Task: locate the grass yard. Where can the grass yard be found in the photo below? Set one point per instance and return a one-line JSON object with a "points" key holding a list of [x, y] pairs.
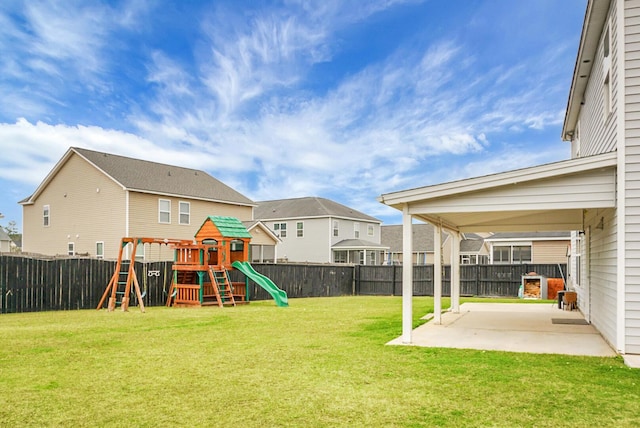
{"points": [[319, 363]]}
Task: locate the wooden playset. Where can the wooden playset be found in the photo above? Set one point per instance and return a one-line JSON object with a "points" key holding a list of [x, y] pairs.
{"points": [[200, 268]]}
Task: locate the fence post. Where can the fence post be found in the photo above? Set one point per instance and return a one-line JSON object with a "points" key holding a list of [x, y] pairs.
{"points": [[356, 280]]}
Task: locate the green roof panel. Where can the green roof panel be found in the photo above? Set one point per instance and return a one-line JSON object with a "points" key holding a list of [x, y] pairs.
{"points": [[230, 227]]}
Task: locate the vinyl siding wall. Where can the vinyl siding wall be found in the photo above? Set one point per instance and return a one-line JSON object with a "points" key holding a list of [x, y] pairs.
{"points": [[545, 252], [144, 220], [312, 247], [91, 211], [601, 283], [632, 176], [597, 131]]}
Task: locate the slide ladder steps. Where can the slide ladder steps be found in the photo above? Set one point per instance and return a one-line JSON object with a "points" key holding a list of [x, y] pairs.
{"points": [[222, 287]]}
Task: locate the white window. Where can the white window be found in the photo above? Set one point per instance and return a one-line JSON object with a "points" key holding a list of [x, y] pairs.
{"points": [[501, 254], [280, 229], [71, 248], [339, 256], [356, 230], [140, 252], [335, 228], [45, 215], [512, 254], [185, 211], [164, 211], [100, 250], [300, 229], [370, 230]]}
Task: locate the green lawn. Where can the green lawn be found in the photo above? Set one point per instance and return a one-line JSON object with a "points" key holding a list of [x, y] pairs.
{"points": [[319, 363]]}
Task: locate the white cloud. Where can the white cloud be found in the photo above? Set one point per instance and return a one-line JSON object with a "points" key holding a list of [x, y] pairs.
{"points": [[35, 148]]}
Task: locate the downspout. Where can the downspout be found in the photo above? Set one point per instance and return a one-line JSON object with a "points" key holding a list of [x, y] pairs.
{"points": [[621, 181], [455, 272], [437, 274], [407, 275]]}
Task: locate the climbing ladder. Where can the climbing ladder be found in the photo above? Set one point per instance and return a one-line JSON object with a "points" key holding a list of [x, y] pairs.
{"points": [[124, 276], [222, 287]]}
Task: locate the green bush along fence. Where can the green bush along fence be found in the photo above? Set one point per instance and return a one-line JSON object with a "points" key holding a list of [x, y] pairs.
{"points": [[29, 284]]}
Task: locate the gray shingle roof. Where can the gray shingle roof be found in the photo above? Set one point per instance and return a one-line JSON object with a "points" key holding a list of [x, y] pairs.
{"points": [[471, 245], [146, 176], [391, 236], [305, 208]]}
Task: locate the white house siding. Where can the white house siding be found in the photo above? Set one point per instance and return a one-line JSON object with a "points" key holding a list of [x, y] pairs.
{"points": [[144, 221], [86, 206], [599, 289], [632, 176], [311, 247], [597, 132]]}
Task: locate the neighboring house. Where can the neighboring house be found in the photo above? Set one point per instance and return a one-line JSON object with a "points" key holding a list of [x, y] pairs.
{"points": [[264, 243], [5, 242], [595, 193], [90, 200], [529, 247], [319, 230], [472, 251]]}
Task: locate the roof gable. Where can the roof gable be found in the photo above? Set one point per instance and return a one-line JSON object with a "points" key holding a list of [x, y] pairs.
{"points": [[221, 226], [307, 207]]}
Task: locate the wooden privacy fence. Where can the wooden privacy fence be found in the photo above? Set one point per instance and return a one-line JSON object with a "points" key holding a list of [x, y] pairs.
{"points": [[29, 284], [475, 280]]}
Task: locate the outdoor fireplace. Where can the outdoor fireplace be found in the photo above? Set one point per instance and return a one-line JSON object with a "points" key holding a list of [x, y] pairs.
{"points": [[534, 286]]}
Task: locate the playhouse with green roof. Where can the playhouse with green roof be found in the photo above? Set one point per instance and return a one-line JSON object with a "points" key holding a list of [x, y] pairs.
{"points": [[200, 269]]}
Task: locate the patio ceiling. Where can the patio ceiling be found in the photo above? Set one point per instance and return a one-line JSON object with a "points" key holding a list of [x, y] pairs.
{"points": [[541, 198]]}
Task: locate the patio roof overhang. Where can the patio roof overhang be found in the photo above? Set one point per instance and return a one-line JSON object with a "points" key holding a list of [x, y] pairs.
{"points": [[547, 197], [541, 198]]}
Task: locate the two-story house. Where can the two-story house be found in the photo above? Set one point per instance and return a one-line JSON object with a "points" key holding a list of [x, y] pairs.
{"points": [[596, 193], [90, 200], [319, 230]]}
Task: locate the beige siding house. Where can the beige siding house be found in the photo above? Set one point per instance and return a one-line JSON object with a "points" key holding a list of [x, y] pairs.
{"points": [[90, 200], [596, 193], [264, 242], [319, 230], [529, 247]]}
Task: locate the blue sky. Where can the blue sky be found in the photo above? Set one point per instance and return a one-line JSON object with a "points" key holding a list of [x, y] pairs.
{"points": [[341, 99]]}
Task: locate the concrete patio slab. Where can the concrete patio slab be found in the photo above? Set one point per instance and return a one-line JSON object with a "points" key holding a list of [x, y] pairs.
{"points": [[514, 327]]}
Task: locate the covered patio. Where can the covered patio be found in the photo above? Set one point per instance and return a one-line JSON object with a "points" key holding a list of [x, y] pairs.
{"points": [[539, 328], [550, 197]]}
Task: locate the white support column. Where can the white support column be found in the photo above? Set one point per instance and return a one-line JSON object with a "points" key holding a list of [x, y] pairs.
{"points": [[407, 275], [455, 273], [437, 274]]}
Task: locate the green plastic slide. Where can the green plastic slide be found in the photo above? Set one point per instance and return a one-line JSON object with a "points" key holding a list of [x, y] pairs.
{"points": [[280, 296]]}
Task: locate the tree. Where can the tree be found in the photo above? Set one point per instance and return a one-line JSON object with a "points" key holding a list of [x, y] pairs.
{"points": [[12, 229]]}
